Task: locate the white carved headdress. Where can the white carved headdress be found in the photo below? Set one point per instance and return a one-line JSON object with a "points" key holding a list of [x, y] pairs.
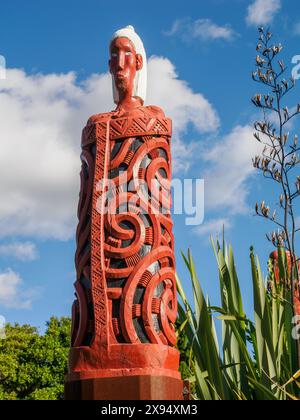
{"points": [[140, 81]]}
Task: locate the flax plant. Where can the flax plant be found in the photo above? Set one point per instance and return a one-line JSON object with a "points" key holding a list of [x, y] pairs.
{"points": [[252, 360]]}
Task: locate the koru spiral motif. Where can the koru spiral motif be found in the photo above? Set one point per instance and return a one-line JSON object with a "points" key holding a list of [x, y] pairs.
{"points": [[126, 287]]}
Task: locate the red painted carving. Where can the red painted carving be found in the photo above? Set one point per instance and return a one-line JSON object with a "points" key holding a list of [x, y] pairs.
{"points": [[274, 259], [126, 303], [126, 287]]}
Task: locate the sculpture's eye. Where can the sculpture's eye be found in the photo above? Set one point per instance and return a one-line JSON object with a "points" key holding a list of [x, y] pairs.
{"points": [[128, 53], [114, 55]]}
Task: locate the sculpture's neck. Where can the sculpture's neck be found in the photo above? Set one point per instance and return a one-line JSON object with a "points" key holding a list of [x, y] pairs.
{"points": [[128, 103]]}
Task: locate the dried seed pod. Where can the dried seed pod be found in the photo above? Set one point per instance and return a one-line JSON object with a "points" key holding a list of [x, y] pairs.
{"points": [[295, 140], [281, 65], [281, 199]]}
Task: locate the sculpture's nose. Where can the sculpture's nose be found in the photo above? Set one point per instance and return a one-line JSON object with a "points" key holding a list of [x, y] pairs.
{"points": [[121, 61]]}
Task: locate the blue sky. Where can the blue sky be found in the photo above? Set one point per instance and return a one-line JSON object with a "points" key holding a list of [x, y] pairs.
{"points": [[201, 55]]}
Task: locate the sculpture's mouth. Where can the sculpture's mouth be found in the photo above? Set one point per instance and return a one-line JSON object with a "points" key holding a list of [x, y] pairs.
{"points": [[120, 76]]}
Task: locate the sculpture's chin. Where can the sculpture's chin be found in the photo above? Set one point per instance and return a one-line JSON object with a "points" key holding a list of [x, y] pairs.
{"points": [[122, 87]]}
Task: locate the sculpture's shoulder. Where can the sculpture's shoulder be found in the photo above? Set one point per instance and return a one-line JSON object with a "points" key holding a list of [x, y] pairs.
{"points": [[150, 111], [154, 111], [99, 118]]}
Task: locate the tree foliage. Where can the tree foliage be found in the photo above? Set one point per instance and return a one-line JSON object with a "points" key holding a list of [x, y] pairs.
{"points": [[33, 366]]}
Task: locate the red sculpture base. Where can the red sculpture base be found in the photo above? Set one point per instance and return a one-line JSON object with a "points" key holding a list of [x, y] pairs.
{"points": [[124, 372], [146, 387]]}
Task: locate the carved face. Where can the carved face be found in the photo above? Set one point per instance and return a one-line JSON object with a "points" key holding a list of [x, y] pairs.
{"points": [[124, 63]]}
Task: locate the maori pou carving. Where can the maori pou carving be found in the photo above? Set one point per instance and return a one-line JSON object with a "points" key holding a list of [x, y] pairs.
{"points": [[274, 260], [126, 305]]}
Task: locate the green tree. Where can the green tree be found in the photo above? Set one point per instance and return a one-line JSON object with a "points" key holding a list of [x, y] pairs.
{"points": [[33, 366]]}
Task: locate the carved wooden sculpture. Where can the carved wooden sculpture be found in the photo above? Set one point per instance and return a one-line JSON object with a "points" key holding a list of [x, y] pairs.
{"points": [[123, 335], [274, 259]]}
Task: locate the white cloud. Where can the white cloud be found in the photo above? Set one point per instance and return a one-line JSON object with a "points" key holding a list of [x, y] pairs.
{"points": [[262, 12], [229, 169], [214, 227], [202, 29], [11, 293], [182, 104], [40, 131], [227, 172], [23, 251]]}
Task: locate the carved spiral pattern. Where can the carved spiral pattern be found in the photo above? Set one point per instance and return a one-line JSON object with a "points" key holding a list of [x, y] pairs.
{"points": [[126, 287]]}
